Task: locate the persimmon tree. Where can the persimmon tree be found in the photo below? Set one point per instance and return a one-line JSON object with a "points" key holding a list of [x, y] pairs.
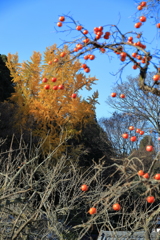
{"points": [[132, 50], [141, 104], [110, 40], [129, 203], [151, 8], [143, 155], [118, 132], [37, 201], [47, 95]]}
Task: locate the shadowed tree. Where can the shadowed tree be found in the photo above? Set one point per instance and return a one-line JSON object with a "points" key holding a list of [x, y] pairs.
{"points": [[141, 153], [6, 84]]}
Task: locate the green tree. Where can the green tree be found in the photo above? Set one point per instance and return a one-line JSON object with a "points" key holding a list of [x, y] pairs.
{"points": [[141, 153]]}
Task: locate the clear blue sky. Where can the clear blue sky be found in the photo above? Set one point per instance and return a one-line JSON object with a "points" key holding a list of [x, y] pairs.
{"points": [[28, 26]]}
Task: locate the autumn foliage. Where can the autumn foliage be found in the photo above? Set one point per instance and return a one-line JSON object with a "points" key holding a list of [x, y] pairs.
{"points": [[117, 194], [47, 95]]}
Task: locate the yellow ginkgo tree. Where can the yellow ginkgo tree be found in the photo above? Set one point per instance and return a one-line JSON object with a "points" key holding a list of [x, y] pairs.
{"points": [[47, 94]]}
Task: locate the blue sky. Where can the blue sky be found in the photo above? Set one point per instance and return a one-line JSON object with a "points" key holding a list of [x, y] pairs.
{"points": [[29, 25]]}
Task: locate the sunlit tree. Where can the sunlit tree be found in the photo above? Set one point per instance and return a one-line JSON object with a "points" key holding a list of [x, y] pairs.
{"points": [[47, 96]]}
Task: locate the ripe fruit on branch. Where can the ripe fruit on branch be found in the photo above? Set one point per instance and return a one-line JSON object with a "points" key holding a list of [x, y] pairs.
{"points": [[84, 65], [50, 63], [156, 77], [63, 54], [122, 59], [55, 60], [141, 132], [123, 54], [131, 128], [86, 57], [134, 66], [143, 60], [139, 57], [139, 44], [158, 25], [150, 199], [100, 28], [79, 46], [149, 148], [75, 49], [134, 54], [139, 35], [157, 176], [92, 57], [53, 79], [107, 35], [146, 175], [79, 28], [102, 50], [62, 18], [84, 187], [133, 138], [92, 210], [125, 135], [55, 87], [95, 30], [142, 18], [47, 86], [122, 96], [99, 33], [85, 32], [86, 40], [140, 172], [138, 25], [143, 46], [87, 70], [74, 95], [116, 207], [44, 80], [130, 39], [61, 86], [113, 94], [143, 4], [97, 37], [138, 130], [59, 24], [139, 7]]}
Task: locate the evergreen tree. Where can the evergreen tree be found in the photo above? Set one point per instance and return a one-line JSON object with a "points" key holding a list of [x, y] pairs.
{"points": [[6, 85]]}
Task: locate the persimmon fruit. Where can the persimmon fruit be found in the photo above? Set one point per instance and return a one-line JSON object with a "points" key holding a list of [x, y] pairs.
{"points": [[140, 172], [150, 199], [92, 210], [84, 187], [116, 207]]}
